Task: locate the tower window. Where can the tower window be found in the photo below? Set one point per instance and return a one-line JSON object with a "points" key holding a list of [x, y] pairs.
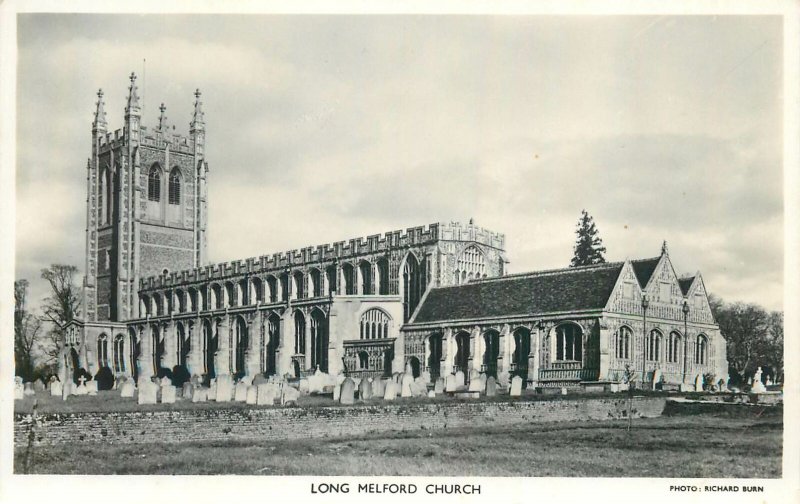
{"points": [[154, 184], [175, 187]]}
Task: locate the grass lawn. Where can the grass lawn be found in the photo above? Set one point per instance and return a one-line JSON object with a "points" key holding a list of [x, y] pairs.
{"points": [[730, 441]]}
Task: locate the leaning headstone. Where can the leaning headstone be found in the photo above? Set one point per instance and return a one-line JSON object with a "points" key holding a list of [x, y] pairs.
{"points": [[405, 386], [459, 380], [224, 388], [199, 394], [127, 389], [516, 386], [38, 385], [28, 389], [290, 396], [378, 388], [252, 395], [438, 387], [168, 394], [348, 390], [491, 387], [148, 392], [390, 392], [55, 388], [240, 392], [365, 390]]}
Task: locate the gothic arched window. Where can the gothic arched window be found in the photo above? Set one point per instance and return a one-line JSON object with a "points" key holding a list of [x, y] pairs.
{"points": [[701, 350], [569, 343], [654, 345], [154, 184], [471, 264], [673, 347], [374, 324], [102, 351], [175, 187], [624, 337]]}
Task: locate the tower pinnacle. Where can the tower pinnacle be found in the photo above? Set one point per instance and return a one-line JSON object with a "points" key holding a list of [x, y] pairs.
{"points": [[664, 249], [132, 107], [197, 123], [162, 119], [100, 123]]}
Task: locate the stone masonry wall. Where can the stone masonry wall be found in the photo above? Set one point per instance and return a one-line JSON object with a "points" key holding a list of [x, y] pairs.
{"points": [[321, 422]]}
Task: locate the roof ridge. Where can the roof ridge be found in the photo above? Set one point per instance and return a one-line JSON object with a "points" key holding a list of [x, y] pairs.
{"points": [[646, 259], [531, 274]]}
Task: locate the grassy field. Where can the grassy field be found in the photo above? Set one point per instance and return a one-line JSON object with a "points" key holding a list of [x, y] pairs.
{"points": [[690, 440]]}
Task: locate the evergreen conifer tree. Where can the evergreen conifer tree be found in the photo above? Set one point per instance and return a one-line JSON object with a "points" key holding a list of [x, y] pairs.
{"points": [[589, 247]]}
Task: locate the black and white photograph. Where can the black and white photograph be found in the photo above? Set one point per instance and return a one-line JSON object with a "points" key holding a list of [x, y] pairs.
{"points": [[436, 254]]}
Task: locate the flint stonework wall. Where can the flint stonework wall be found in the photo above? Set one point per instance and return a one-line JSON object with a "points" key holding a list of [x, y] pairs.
{"points": [[176, 426]]}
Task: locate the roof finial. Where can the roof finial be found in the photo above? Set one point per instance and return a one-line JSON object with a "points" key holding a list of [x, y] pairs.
{"points": [[664, 249], [197, 123], [471, 221], [133, 97], [162, 119], [100, 123]]}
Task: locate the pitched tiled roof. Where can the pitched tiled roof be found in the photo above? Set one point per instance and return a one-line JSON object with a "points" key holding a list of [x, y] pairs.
{"points": [[685, 284], [644, 269], [569, 289]]}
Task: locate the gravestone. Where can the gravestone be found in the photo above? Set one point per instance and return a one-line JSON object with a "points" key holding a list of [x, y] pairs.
{"points": [[199, 394], [66, 390], [397, 377], [81, 389], [378, 387], [240, 392], [148, 392], [405, 386], [252, 395], [128, 388], [502, 379], [476, 385], [516, 386], [211, 394], [390, 392], [758, 386], [304, 386], [224, 388], [459, 380], [168, 393], [55, 388], [265, 394], [92, 386], [187, 391], [365, 390], [259, 379], [438, 387], [698, 382], [450, 384], [38, 385], [290, 396], [19, 388], [28, 389], [348, 390], [337, 392], [491, 387], [431, 394]]}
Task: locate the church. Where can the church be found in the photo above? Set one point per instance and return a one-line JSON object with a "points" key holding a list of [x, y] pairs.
{"points": [[437, 298]]}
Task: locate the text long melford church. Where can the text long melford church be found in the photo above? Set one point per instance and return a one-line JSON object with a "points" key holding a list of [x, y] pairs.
{"points": [[434, 298]]}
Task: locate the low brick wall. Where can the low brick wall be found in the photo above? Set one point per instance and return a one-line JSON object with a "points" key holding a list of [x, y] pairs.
{"points": [[330, 422]]}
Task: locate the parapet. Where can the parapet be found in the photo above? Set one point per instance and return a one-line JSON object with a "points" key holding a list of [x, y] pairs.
{"points": [[376, 243]]}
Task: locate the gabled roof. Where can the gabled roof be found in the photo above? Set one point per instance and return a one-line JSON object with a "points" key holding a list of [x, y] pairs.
{"points": [[644, 269], [686, 284], [569, 289]]}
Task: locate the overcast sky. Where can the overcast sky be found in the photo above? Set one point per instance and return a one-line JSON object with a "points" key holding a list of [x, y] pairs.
{"points": [[326, 128]]}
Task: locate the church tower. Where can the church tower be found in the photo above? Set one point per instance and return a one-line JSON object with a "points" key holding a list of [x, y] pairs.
{"points": [[146, 206]]}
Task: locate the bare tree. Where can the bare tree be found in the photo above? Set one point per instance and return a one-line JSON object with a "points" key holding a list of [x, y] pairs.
{"points": [[62, 305], [27, 333]]}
